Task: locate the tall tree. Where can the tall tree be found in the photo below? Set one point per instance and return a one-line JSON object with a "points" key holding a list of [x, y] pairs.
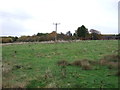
{"points": [[82, 32], [41, 34], [95, 34]]}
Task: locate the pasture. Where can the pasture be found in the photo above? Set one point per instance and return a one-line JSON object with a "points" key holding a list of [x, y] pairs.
{"points": [[42, 65]]}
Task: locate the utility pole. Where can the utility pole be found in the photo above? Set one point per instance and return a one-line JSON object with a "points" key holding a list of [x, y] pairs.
{"points": [[56, 30]]}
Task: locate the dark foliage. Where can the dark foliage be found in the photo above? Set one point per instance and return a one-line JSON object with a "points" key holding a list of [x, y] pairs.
{"points": [[82, 32]]}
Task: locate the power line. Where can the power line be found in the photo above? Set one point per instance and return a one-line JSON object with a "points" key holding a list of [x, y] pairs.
{"points": [[56, 30]]}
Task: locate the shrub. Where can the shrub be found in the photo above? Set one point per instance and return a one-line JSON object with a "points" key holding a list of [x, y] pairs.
{"points": [[7, 40]]}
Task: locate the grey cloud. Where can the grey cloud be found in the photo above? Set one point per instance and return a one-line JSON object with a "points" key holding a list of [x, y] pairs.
{"points": [[12, 28], [15, 15], [11, 23]]}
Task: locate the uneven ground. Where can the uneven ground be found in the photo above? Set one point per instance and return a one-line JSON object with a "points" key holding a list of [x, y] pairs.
{"points": [[35, 65]]}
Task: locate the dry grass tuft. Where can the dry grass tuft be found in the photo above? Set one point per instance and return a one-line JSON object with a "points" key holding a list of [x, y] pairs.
{"points": [[85, 65], [112, 65], [113, 58], [118, 73], [77, 63], [93, 62], [6, 68], [82, 63], [63, 63], [111, 61]]}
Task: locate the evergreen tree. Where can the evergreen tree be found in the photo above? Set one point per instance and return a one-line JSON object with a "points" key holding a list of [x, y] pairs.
{"points": [[82, 32]]}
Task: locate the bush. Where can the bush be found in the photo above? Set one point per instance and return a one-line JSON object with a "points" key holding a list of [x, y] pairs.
{"points": [[7, 40]]}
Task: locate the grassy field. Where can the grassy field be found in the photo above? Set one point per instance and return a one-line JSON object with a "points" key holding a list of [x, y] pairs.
{"points": [[38, 65]]}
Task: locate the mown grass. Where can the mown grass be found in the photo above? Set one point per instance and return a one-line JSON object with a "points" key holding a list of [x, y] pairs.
{"points": [[35, 65]]}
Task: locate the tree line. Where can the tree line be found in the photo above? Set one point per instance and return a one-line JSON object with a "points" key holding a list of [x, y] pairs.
{"points": [[81, 33]]}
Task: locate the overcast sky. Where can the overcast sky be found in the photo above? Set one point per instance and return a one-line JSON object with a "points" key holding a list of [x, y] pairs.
{"points": [[28, 17]]}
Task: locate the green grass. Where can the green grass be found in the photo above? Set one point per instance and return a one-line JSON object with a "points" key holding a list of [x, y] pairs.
{"points": [[35, 65]]}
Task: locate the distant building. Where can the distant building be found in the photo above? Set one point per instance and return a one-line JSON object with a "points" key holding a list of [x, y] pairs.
{"points": [[68, 33], [109, 36], [95, 31]]}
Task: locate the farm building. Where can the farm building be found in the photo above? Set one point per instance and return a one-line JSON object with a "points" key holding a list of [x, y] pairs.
{"points": [[110, 36]]}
